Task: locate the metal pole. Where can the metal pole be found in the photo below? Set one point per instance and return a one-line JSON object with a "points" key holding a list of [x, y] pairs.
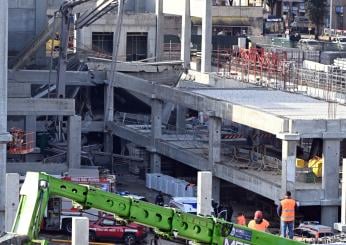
{"points": [[3, 105], [116, 38], [330, 19]]}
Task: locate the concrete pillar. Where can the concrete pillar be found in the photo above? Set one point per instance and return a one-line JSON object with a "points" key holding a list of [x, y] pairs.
{"points": [[74, 142], [288, 178], [3, 104], [12, 199], [155, 162], [186, 35], [214, 125], [80, 231], [181, 119], [330, 181], [156, 133], [41, 22], [342, 225], [207, 46], [204, 190], [30, 126], [159, 29], [216, 189], [343, 193], [109, 117]]}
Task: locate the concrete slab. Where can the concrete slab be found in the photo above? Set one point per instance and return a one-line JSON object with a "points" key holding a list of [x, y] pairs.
{"points": [[288, 105], [195, 154]]}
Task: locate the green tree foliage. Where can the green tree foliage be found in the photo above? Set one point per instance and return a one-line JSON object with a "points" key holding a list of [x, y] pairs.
{"points": [[271, 4], [316, 10]]}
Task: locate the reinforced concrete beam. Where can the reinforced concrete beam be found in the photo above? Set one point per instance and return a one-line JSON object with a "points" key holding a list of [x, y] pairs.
{"points": [[73, 78], [49, 168], [237, 113], [37, 107]]}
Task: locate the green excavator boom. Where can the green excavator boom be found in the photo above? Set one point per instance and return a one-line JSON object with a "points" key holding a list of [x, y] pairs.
{"points": [[39, 187]]}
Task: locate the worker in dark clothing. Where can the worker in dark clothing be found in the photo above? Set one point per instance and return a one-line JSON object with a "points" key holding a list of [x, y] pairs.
{"points": [[159, 199], [229, 212]]}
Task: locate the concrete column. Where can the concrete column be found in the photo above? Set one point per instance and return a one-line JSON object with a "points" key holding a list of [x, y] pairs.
{"points": [[288, 178], [216, 189], [74, 142], [342, 225], [214, 125], [40, 23], [80, 231], [159, 29], [3, 105], [181, 119], [204, 190], [30, 126], [330, 181], [109, 116], [12, 199], [207, 46], [186, 35], [343, 193], [156, 133]]}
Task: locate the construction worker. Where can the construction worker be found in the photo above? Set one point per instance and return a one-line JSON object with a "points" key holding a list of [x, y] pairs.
{"points": [[241, 220], [159, 199], [258, 223], [286, 211]]}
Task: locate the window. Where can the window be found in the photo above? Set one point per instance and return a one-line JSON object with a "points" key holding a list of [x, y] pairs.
{"points": [[136, 46], [108, 222], [102, 42]]}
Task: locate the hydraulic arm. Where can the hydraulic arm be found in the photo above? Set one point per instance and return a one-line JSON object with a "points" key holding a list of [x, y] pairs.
{"points": [[39, 187]]}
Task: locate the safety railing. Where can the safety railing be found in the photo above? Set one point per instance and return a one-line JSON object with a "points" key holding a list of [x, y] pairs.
{"points": [[22, 143]]}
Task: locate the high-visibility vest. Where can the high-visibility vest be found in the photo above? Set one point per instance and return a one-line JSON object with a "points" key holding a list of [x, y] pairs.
{"points": [[241, 220], [288, 209], [259, 227]]}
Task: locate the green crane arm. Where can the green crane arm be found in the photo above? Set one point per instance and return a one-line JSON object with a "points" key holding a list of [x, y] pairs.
{"points": [[39, 187]]}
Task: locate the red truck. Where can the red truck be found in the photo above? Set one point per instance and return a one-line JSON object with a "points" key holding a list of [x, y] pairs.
{"points": [[108, 229]]}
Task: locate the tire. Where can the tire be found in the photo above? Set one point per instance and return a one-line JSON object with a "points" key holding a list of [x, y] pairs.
{"points": [[67, 226], [130, 239], [92, 236]]}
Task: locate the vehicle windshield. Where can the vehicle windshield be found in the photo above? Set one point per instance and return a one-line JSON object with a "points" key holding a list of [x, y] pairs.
{"points": [[312, 43], [342, 40]]}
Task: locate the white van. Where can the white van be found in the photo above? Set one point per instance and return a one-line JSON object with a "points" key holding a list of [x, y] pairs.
{"points": [[185, 204]]}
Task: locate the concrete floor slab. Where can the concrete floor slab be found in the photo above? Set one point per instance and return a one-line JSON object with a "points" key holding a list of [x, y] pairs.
{"points": [[288, 105]]}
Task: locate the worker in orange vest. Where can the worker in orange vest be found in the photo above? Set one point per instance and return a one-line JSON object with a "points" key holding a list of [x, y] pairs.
{"points": [[241, 220], [286, 211], [258, 223]]}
